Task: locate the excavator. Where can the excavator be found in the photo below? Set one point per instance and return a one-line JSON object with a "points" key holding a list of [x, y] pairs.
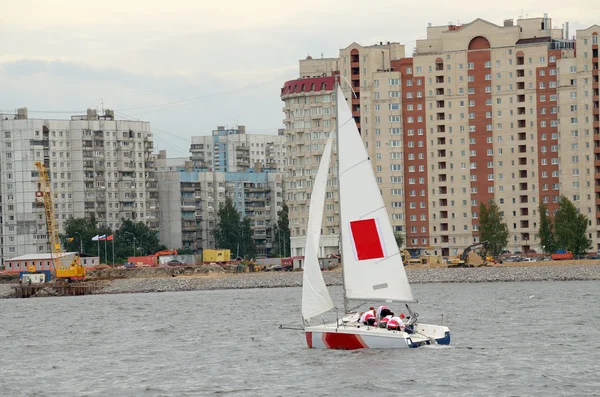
{"points": [[425, 259], [165, 252], [75, 271], [470, 258]]}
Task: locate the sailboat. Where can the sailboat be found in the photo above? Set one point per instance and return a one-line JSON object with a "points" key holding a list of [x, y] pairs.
{"points": [[372, 265]]}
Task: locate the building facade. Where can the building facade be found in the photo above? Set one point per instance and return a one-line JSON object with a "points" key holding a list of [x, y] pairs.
{"points": [[480, 111], [99, 167], [190, 200], [309, 120], [232, 150]]}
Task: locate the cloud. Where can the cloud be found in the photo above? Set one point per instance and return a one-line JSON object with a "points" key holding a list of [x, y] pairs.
{"points": [[186, 105]]}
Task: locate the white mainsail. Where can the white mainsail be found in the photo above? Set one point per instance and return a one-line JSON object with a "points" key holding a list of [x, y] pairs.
{"points": [[315, 296], [372, 265]]}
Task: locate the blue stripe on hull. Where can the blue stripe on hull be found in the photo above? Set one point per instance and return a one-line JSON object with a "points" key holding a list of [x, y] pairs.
{"points": [[445, 340]]}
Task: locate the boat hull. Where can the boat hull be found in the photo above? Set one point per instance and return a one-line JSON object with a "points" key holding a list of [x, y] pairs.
{"points": [[357, 337]]}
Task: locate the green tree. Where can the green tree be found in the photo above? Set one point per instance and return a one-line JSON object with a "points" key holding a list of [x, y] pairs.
{"points": [[399, 239], [570, 228], [492, 227], [246, 242], [81, 231], [135, 238], [281, 233], [227, 230], [546, 230]]}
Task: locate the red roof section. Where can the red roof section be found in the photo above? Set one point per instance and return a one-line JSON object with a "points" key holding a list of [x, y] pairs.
{"points": [[308, 84]]}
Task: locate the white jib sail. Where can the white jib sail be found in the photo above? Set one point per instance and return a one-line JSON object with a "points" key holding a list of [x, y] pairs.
{"points": [[372, 265], [315, 296]]}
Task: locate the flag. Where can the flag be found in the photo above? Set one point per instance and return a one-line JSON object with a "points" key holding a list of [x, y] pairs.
{"points": [[109, 238], [366, 239], [70, 239], [95, 238], [102, 238]]}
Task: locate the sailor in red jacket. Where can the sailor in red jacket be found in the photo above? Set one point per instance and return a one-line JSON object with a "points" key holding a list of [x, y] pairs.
{"points": [[368, 317], [395, 324], [383, 322], [383, 311]]}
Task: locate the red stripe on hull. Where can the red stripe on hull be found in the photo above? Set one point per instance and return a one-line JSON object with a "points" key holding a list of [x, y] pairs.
{"points": [[309, 339], [337, 340]]}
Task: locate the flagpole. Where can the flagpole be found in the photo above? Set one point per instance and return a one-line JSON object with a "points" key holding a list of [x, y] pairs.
{"points": [[105, 255], [98, 240], [113, 247]]}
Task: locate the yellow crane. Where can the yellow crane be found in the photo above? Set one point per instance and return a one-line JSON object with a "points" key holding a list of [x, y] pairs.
{"points": [[75, 271]]}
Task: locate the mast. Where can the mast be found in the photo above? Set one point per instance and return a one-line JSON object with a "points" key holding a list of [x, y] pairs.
{"points": [[337, 159]]}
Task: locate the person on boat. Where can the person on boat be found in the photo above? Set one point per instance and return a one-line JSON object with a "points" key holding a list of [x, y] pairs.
{"points": [[368, 317], [408, 327], [383, 322], [395, 324], [382, 311]]}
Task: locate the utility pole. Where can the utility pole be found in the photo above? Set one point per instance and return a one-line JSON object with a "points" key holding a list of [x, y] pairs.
{"points": [[80, 243]]}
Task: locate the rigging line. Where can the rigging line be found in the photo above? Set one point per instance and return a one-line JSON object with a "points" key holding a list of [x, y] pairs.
{"points": [[167, 105], [355, 165], [370, 212], [388, 257]]}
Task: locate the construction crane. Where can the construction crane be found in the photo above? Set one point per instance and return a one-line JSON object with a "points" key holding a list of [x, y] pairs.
{"points": [[75, 271]]}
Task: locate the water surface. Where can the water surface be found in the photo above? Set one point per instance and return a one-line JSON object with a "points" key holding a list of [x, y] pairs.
{"points": [[508, 339]]}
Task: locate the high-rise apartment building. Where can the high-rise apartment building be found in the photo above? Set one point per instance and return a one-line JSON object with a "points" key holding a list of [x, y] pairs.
{"points": [[309, 119], [99, 167], [479, 112], [232, 150], [190, 200]]}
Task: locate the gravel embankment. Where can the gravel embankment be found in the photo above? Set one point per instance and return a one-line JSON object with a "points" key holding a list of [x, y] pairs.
{"points": [[294, 279], [218, 281], [6, 291]]}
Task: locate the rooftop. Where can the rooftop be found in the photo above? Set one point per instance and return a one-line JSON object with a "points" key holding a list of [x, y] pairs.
{"points": [[36, 257]]}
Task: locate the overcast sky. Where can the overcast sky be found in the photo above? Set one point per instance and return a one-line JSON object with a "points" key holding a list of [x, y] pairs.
{"points": [[190, 65]]}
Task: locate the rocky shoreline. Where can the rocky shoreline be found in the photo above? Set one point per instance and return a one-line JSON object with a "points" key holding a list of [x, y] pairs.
{"points": [[221, 281]]}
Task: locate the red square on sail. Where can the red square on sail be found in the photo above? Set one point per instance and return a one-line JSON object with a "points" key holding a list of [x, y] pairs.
{"points": [[366, 239]]}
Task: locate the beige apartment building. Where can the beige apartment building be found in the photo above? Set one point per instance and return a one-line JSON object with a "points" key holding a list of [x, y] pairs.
{"points": [[480, 111], [99, 167]]}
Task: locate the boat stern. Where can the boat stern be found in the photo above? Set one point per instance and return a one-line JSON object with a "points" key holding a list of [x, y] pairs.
{"points": [[440, 333]]}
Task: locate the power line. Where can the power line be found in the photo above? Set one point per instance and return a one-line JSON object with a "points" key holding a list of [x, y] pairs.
{"points": [[171, 105]]}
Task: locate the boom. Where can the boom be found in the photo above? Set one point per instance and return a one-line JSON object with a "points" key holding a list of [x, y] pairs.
{"points": [[75, 271], [50, 219]]}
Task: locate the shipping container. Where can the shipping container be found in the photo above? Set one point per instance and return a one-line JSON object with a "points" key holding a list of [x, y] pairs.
{"points": [[44, 275], [216, 256]]}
